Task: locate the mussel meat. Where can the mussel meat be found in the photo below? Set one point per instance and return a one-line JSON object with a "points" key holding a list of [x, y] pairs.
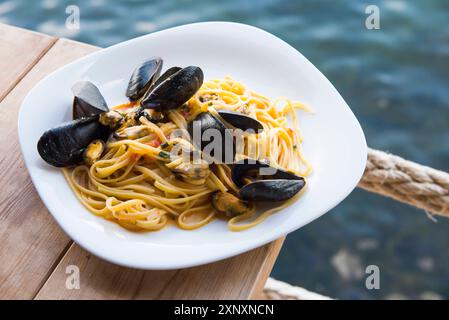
{"points": [[153, 115], [143, 78], [134, 132], [266, 183], [229, 204], [87, 100], [175, 90], [94, 151], [112, 119], [65, 144], [194, 172]]}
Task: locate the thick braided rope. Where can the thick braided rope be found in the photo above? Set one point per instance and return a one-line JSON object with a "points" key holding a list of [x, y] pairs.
{"points": [[278, 290], [406, 181]]}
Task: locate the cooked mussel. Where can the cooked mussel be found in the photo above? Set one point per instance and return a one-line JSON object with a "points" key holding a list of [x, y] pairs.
{"points": [[143, 78], [211, 136], [259, 181], [112, 119], [206, 127], [94, 151], [72, 142], [65, 144], [134, 132], [175, 90], [87, 100], [153, 115], [240, 120], [169, 72], [229, 204], [194, 172]]}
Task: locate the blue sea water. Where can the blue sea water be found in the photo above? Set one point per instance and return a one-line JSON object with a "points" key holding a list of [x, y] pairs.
{"points": [[396, 81]]}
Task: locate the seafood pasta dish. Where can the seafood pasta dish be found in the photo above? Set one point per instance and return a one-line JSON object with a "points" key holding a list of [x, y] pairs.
{"points": [[181, 151]]}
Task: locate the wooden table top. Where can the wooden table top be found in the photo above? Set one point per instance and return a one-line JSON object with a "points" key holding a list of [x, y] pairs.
{"points": [[35, 252]]}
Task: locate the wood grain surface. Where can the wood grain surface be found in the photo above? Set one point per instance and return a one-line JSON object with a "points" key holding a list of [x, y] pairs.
{"points": [[20, 50], [31, 241], [240, 277]]}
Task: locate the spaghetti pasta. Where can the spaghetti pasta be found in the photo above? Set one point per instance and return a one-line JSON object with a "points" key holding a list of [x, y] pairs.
{"points": [[138, 184]]}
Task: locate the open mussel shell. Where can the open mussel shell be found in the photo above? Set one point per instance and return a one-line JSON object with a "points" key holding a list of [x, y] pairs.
{"points": [[64, 145], [257, 169], [269, 183], [87, 100], [143, 78], [175, 90], [271, 190], [211, 136], [169, 72], [240, 120]]}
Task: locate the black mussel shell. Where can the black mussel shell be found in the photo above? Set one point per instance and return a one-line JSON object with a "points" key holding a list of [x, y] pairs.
{"points": [[271, 184], [143, 78], [251, 168], [175, 90], [64, 145], [88, 100], [169, 72], [240, 120], [271, 190], [203, 130]]}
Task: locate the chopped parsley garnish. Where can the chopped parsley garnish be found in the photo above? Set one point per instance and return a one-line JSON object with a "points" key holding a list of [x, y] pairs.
{"points": [[164, 154]]}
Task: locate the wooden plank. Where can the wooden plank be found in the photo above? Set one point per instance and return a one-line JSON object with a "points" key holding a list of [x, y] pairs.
{"points": [[20, 50], [240, 277], [31, 242]]}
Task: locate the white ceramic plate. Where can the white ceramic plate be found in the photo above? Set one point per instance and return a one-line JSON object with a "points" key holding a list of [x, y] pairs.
{"points": [[334, 142]]}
